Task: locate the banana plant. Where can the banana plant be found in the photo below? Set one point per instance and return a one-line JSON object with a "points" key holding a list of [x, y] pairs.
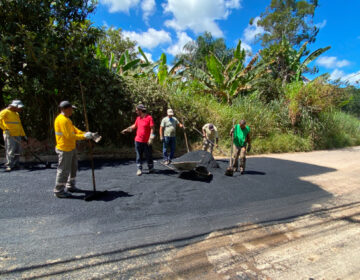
{"points": [[164, 75], [228, 81], [287, 63], [123, 66]]}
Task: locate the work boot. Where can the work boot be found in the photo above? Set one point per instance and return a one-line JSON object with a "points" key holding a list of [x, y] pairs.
{"points": [[151, 170], [73, 189], [242, 171], [8, 169], [62, 195], [166, 162], [138, 172]]}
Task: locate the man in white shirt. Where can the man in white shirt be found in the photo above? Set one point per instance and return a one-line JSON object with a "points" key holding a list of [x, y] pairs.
{"points": [[168, 135]]}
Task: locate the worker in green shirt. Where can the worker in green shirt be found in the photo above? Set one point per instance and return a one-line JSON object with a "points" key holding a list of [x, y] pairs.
{"points": [[241, 133]]}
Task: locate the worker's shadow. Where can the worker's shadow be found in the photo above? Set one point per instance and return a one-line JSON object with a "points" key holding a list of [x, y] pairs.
{"points": [[99, 195], [252, 172]]}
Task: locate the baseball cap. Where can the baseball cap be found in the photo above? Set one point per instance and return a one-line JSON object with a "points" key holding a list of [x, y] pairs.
{"points": [[66, 104], [141, 107], [170, 112], [17, 103]]}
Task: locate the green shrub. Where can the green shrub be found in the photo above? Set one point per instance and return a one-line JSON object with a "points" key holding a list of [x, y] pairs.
{"points": [[281, 143], [338, 129]]}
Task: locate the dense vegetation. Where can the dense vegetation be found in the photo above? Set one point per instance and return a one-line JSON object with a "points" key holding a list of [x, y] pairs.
{"points": [[49, 51]]}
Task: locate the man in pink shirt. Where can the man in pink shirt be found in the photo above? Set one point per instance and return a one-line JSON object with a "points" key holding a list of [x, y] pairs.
{"points": [[144, 125]]}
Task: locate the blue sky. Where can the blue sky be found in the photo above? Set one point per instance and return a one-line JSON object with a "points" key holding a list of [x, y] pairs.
{"points": [[166, 25]]}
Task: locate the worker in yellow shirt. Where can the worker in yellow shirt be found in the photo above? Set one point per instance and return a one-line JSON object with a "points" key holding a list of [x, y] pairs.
{"points": [[13, 131], [66, 135]]}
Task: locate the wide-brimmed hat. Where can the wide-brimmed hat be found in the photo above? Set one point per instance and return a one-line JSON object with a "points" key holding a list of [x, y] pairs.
{"points": [[17, 104], [170, 112], [66, 104]]}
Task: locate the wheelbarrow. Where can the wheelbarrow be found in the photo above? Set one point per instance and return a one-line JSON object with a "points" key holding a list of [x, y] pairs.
{"points": [[189, 166]]}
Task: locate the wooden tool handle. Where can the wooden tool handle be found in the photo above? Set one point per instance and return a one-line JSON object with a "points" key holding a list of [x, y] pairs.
{"points": [[186, 140], [89, 142]]}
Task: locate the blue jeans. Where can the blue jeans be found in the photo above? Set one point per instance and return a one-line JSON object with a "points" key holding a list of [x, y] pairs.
{"points": [[141, 148], [169, 141]]}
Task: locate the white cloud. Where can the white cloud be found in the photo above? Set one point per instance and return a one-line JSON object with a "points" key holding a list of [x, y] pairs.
{"points": [[252, 30], [246, 47], [321, 24], [233, 4], [149, 39], [332, 62], [352, 78], [337, 74], [120, 5], [200, 15], [148, 7], [177, 48]]}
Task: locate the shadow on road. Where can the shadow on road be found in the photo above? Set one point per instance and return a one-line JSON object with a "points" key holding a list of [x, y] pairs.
{"points": [[101, 195]]}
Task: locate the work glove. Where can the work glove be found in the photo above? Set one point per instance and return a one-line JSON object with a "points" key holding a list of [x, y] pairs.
{"points": [[26, 139], [161, 138], [88, 135], [248, 148], [7, 132], [92, 136]]}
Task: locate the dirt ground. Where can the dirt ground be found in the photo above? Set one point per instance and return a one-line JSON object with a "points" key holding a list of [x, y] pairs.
{"points": [[292, 216], [323, 244]]}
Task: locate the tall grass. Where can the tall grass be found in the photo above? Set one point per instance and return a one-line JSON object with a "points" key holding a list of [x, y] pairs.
{"points": [[270, 124], [338, 129]]}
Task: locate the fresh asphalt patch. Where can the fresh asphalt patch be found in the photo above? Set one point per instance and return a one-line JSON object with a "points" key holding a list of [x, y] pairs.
{"points": [[37, 228]]}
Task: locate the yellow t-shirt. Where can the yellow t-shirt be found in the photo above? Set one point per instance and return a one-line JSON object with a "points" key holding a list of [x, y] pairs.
{"points": [[10, 120], [66, 134]]}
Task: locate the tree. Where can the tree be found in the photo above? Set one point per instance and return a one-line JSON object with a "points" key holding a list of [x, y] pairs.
{"points": [[46, 49], [195, 52], [291, 19], [112, 42]]}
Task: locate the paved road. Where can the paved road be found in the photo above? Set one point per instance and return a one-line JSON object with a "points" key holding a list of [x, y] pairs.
{"points": [[142, 219]]}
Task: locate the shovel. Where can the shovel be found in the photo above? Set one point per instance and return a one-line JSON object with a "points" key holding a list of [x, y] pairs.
{"points": [[95, 194], [211, 142], [185, 136], [47, 164], [230, 171]]}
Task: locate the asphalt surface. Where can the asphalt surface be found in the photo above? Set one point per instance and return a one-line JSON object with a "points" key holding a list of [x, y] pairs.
{"points": [[38, 229]]}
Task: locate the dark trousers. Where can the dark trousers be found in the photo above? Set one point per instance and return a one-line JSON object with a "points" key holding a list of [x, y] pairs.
{"points": [[169, 142], [140, 149]]}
